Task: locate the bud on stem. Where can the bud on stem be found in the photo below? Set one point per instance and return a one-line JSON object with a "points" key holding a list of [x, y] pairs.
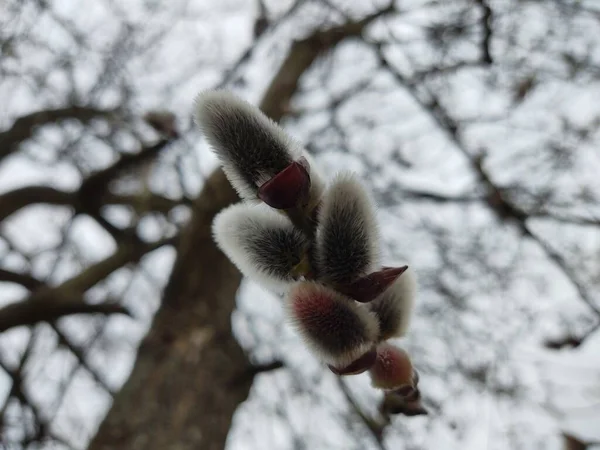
{"points": [[338, 330], [393, 368], [347, 234], [263, 244]]}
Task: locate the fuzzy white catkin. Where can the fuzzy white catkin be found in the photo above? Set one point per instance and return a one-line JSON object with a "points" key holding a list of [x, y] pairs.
{"points": [[348, 239], [336, 329], [394, 308], [251, 147], [261, 242]]}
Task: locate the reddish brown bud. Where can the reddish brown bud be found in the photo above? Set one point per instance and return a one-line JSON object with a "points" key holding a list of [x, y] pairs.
{"points": [[406, 399], [393, 368], [362, 364], [288, 189], [394, 404], [371, 286], [338, 330]]}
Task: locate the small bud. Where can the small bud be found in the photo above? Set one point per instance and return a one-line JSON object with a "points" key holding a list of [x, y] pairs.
{"points": [[394, 307], [262, 243], [394, 403], [347, 234], [393, 368], [362, 364], [369, 287], [338, 330], [251, 147], [288, 189]]}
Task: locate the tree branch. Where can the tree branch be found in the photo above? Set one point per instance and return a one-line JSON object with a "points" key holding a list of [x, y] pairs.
{"points": [[416, 194], [30, 312], [25, 280], [49, 304], [486, 23], [496, 198], [375, 427], [24, 127], [12, 201]]}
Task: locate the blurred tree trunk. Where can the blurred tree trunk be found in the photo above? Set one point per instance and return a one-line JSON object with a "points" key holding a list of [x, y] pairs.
{"points": [[191, 374], [181, 392]]}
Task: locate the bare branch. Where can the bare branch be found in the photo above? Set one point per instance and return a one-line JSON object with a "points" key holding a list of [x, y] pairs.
{"points": [[49, 304], [24, 127], [486, 22], [496, 199], [12, 201], [25, 280], [375, 427], [30, 312], [416, 194]]}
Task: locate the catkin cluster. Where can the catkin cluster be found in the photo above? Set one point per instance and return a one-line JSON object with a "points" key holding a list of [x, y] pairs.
{"points": [[317, 243]]}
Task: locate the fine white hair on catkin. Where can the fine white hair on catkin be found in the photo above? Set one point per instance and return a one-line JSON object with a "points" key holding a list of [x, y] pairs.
{"points": [[336, 329], [347, 242], [317, 183], [394, 307], [251, 147], [261, 242]]}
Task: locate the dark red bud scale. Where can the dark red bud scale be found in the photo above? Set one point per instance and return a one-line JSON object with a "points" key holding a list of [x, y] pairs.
{"points": [[362, 364], [371, 286], [288, 189]]}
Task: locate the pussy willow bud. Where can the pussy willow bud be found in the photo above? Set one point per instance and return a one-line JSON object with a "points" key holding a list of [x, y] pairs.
{"points": [[262, 243], [347, 234], [396, 403], [336, 329], [393, 368], [394, 307], [251, 147], [371, 286]]}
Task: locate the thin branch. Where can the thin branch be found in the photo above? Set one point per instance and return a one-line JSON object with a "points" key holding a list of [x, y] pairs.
{"points": [[27, 281], [486, 23], [81, 359], [254, 369], [24, 127], [564, 218], [49, 304], [31, 312], [416, 194], [126, 253], [42, 423], [570, 340], [375, 427], [12, 201], [302, 54], [497, 199]]}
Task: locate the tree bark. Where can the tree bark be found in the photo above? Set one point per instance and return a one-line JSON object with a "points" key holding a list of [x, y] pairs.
{"points": [[191, 374]]}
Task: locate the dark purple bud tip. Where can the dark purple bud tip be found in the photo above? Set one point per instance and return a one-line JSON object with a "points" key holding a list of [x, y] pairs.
{"points": [[394, 403], [408, 393], [288, 189], [371, 286], [362, 364]]}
